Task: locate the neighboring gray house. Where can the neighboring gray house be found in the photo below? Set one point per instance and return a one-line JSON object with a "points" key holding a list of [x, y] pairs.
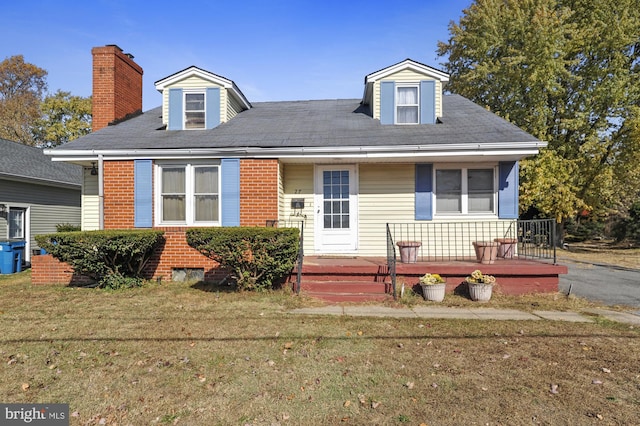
{"points": [[36, 194]]}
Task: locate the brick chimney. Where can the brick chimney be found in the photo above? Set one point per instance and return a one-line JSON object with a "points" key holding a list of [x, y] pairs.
{"points": [[117, 86]]}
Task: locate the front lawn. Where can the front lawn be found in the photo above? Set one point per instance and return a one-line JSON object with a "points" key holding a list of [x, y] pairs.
{"points": [[192, 355]]}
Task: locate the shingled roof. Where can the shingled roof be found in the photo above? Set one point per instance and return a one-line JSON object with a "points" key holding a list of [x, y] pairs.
{"points": [[22, 162], [316, 123]]}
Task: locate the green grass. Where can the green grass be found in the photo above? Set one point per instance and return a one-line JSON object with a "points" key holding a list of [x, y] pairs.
{"points": [[192, 355]]}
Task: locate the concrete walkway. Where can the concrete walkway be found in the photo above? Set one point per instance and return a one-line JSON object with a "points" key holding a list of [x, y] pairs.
{"points": [[467, 313]]}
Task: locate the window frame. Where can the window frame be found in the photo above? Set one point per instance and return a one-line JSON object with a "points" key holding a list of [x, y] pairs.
{"points": [[23, 219], [464, 192], [397, 103], [190, 194], [186, 93]]}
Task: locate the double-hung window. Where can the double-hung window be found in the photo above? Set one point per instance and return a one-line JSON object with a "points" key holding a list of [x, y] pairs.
{"points": [[189, 194], [465, 191], [407, 104], [194, 110]]}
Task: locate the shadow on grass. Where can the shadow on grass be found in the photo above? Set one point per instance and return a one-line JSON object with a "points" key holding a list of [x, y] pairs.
{"points": [[215, 286]]}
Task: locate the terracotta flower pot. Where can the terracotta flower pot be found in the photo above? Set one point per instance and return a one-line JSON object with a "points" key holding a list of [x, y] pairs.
{"points": [[409, 251], [507, 248], [486, 251]]}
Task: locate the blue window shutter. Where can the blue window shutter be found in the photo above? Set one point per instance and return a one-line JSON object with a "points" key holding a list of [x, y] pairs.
{"points": [[428, 102], [424, 191], [143, 190], [175, 109], [213, 107], [387, 102], [230, 192], [508, 190]]}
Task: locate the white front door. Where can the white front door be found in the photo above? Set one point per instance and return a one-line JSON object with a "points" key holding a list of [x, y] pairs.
{"points": [[336, 209]]}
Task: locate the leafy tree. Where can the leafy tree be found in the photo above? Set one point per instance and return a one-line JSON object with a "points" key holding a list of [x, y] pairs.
{"points": [[566, 71], [22, 86], [64, 118]]}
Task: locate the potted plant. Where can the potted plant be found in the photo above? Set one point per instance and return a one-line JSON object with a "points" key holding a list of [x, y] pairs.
{"points": [[433, 287], [480, 285]]}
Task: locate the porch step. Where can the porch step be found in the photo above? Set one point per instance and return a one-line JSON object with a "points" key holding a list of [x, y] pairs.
{"points": [[344, 290]]}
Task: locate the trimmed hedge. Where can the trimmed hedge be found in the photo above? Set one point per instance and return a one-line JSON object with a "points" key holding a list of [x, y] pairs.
{"points": [[258, 258], [115, 258]]}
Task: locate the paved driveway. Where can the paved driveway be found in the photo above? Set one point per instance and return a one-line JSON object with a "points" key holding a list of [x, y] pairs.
{"points": [[601, 283]]}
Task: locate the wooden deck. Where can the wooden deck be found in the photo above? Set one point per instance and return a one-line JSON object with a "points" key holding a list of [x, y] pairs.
{"points": [[342, 279]]}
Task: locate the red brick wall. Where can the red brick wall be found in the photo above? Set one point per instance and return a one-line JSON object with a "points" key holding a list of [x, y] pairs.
{"points": [[176, 253], [118, 195], [47, 270], [117, 85], [258, 192], [258, 203]]}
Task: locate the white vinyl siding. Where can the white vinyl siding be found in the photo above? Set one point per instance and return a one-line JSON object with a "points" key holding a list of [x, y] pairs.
{"points": [[233, 106], [90, 202], [387, 194], [298, 183]]}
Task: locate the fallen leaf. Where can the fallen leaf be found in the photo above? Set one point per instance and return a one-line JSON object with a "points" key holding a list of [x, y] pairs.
{"points": [[596, 382], [347, 403], [25, 386], [359, 333], [362, 399], [288, 345], [606, 370], [434, 385], [375, 404], [409, 385], [75, 414], [554, 389]]}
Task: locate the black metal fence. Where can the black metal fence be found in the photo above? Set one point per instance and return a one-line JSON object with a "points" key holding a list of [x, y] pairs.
{"points": [[451, 241]]}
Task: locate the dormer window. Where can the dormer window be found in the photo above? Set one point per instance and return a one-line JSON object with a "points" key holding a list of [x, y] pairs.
{"points": [[194, 111], [407, 105]]}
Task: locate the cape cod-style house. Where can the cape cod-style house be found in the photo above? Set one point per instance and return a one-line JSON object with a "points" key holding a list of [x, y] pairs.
{"points": [[351, 173]]}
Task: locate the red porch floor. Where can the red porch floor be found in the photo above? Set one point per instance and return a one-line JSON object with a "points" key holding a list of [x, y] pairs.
{"points": [[360, 278]]}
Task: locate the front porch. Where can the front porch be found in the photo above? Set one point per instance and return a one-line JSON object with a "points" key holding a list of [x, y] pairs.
{"points": [[358, 279]]}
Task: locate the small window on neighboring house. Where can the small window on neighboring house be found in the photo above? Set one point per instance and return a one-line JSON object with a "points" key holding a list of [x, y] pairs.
{"points": [[16, 223], [407, 105], [194, 111], [463, 191], [189, 194]]}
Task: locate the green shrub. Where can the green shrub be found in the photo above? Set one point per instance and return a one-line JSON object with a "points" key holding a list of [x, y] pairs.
{"points": [[258, 258], [67, 227], [113, 258], [629, 228]]}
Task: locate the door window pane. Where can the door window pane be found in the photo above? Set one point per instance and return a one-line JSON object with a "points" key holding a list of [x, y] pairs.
{"points": [[336, 199]]}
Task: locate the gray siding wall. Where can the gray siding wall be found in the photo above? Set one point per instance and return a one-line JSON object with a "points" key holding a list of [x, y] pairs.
{"points": [[48, 206]]}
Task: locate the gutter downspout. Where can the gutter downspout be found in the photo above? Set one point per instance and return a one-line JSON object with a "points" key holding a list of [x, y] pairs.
{"points": [[101, 191]]}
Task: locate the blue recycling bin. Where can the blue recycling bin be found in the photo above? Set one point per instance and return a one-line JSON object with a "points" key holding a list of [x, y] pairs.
{"points": [[11, 253]]}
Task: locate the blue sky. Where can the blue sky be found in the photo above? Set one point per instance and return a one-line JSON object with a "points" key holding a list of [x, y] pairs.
{"points": [[273, 50]]}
